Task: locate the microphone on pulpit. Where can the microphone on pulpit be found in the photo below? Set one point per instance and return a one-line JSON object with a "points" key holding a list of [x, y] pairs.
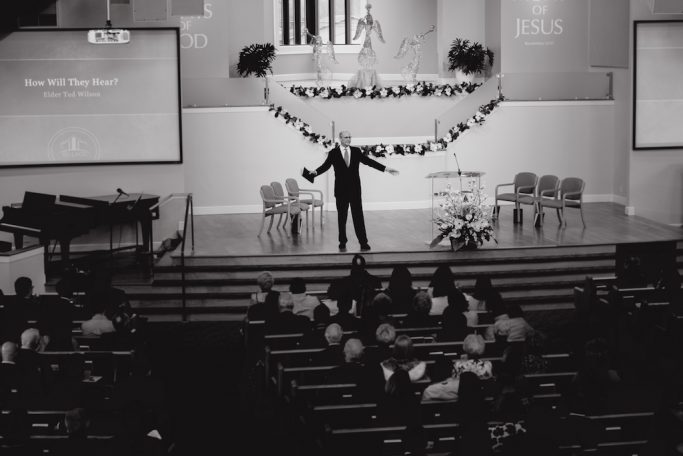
{"points": [[457, 164], [121, 192]]}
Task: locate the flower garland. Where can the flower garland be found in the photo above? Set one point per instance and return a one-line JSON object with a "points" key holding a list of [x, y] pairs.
{"points": [[382, 150], [423, 89]]}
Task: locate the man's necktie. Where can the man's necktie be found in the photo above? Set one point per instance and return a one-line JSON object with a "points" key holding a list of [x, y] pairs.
{"points": [[346, 156]]}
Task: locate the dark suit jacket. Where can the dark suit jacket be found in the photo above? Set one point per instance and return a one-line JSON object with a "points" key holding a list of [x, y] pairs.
{"points": [[287, 322], [347, 179]]}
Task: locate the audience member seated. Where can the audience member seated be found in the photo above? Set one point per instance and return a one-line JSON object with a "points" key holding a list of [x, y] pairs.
{"points": [[351, 370], [56, 319], [456, 317], [482, 290], [473, 417], [76, 423], [441, 285], [512, 328], [344, 318], [447, 389], [401, 290], [403, 357], [374, 314], [286, 322], [593, 380], [418, 316], [263, 304], [385, 335], [14, 319], [35, 374], [10, 377], [399, 406], [333, 354], [632, 274], [359, 284], [98, 324], [303, 303]]}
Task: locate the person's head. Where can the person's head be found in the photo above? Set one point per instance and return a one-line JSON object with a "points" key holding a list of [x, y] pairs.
{"points": [[30, 339], [297, 286], [398, 385], [382, 304], [482, 288], [353, 350], [345, 138], [443, 281], [76, 421], [422, 303], [9, 351], [265, 281], [403, 348], [457, 300], [23, 287], [321, 314], [333, 334], [357, 265], [401, 279], [474, 345], [285, 302], [385, 334]]}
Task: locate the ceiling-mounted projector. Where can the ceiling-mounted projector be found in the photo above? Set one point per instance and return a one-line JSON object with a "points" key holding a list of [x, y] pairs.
{"points": [[109, 36]]}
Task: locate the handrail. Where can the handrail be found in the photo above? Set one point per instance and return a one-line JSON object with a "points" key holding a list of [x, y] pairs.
{"points": [[189, 212]]}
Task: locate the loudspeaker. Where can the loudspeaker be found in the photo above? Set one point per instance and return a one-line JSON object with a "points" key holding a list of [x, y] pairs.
{"points": [[666, 6]]}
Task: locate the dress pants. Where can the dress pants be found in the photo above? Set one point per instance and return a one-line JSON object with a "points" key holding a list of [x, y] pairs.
{"points": [[357, 215]]}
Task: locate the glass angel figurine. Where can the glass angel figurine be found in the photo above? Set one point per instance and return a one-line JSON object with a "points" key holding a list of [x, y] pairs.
{"points": [[321, 60], [413, 44]]}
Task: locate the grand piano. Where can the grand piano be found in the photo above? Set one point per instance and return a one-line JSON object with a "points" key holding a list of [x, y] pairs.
{"points": [[62, 219]]}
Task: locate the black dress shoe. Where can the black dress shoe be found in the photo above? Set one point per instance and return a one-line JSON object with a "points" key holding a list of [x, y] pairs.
{"points": [[365, 247], [342, 247]]}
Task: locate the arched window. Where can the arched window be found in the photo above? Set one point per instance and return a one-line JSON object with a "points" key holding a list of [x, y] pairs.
{"points": [[293, 17]]}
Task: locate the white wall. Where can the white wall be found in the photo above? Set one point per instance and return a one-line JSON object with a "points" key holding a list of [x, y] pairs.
{"points": [[655, 176], [235, 152]]}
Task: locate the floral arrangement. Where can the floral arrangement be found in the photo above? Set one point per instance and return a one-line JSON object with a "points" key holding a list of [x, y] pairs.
{"points": [[423, 89], [383, 150], [465, 218]]}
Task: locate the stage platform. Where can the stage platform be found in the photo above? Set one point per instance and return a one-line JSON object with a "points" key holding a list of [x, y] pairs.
{"points": [[411, 231]]}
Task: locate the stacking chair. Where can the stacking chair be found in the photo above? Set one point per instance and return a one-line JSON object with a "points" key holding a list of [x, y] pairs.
{"points": [[273, 206], [524, 184], [294, 201], [547, 188], [570, 195], [293, 189]]}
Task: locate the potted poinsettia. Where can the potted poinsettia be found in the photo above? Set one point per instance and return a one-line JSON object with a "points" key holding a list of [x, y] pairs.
{"points": [[257, 59], [468, 58]]}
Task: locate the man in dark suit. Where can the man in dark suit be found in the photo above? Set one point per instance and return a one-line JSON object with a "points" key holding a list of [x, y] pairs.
{"points": [[347, 191]]}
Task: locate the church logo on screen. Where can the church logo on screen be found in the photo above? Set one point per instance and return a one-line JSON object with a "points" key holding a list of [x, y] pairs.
{"points": [[73, 143]]}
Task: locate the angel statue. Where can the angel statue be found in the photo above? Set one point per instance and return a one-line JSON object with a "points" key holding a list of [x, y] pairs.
{"points": [[414, 44], [366, 57], [322, 61]]}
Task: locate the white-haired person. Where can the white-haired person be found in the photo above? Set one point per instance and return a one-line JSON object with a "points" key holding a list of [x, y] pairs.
{"points": [[474, 347]]}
